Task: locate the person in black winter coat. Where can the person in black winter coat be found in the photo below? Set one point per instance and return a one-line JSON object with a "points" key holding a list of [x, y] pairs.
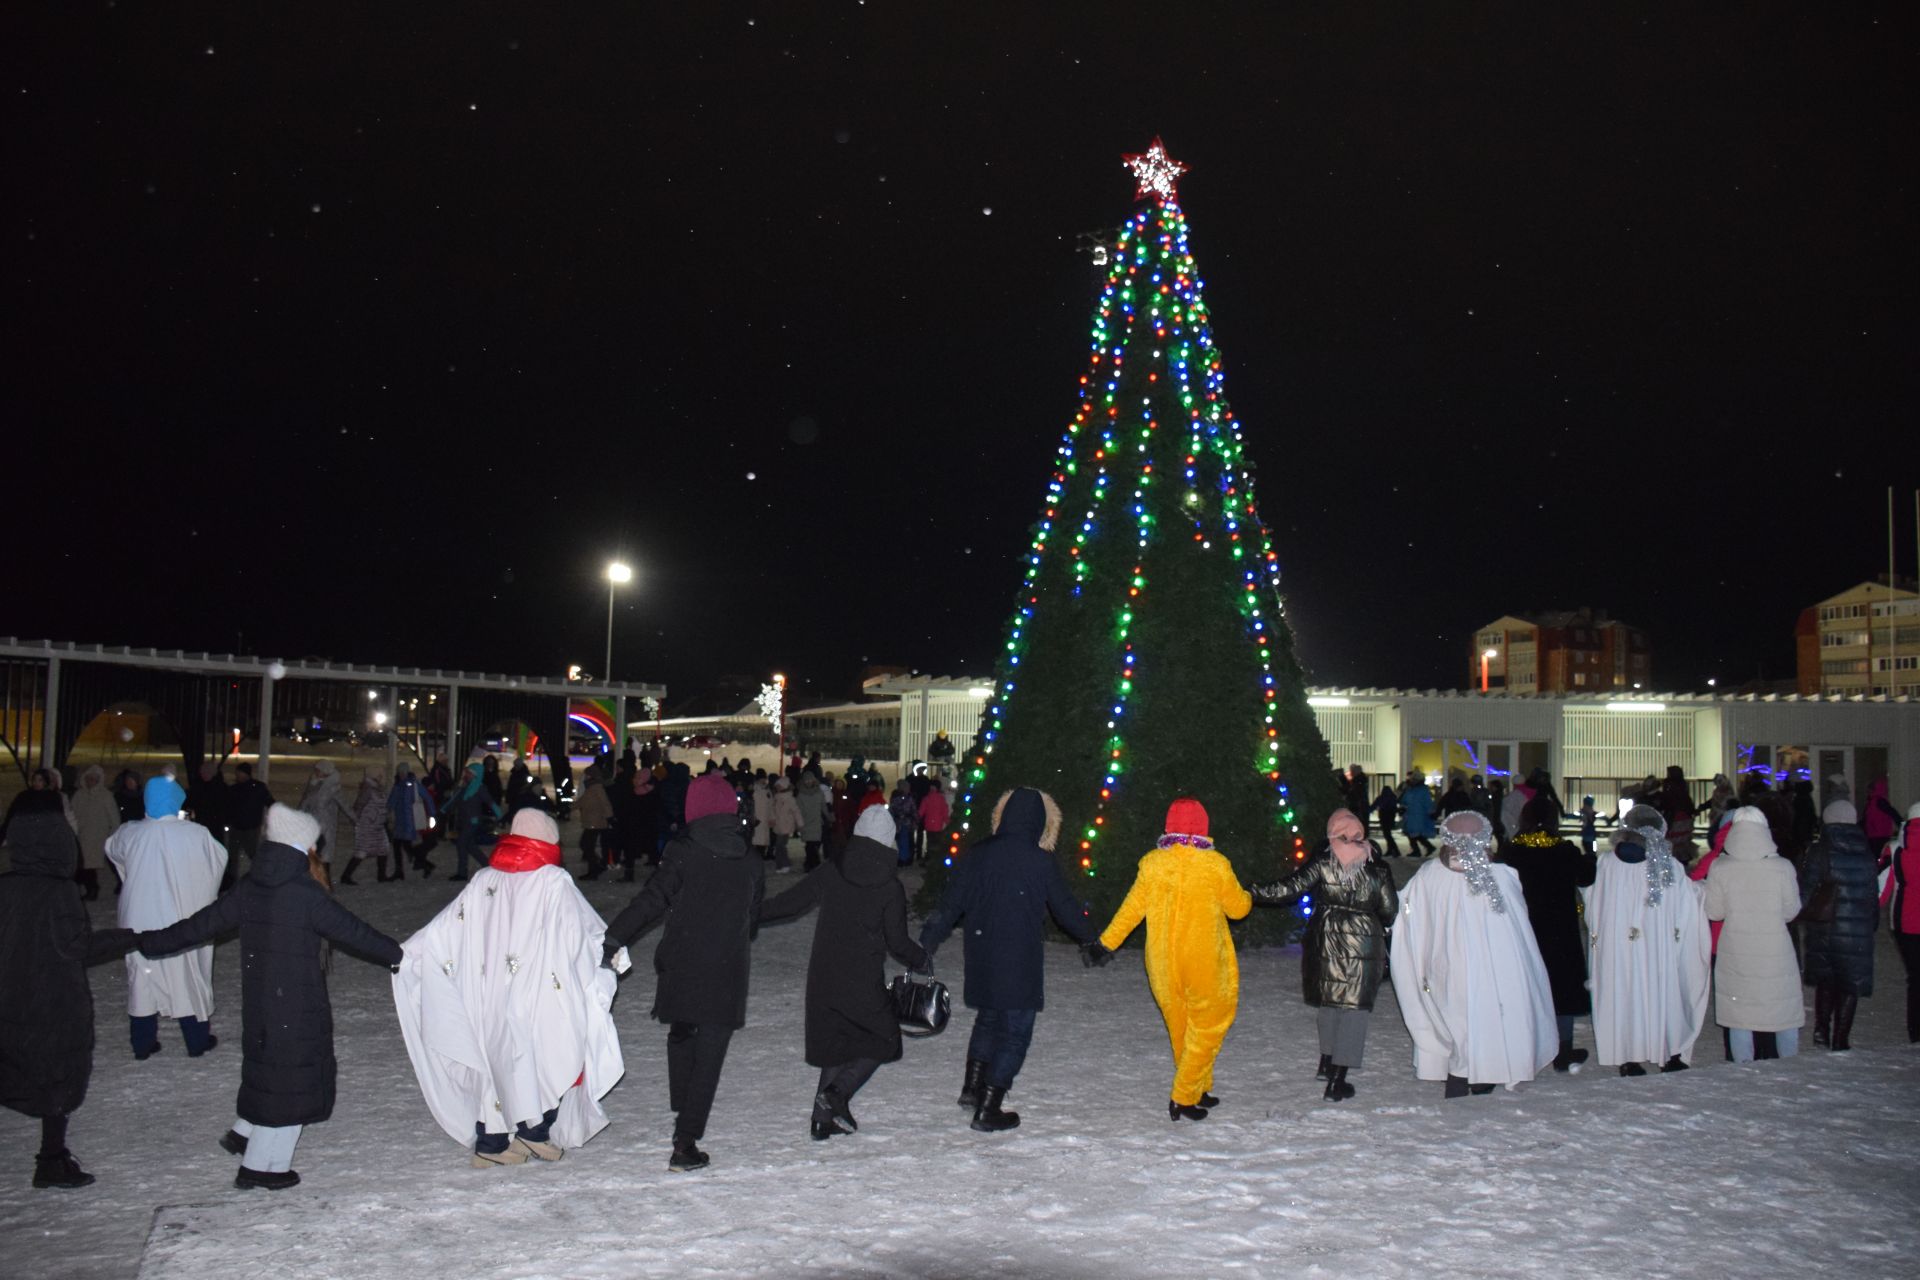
{"points": [[851, 1028], [46, 1006], [636, 822], [1552, 872], [709, 892], [1387, 810], [287, 1065], [1004, 889], [247, 803], [1837, 956]]}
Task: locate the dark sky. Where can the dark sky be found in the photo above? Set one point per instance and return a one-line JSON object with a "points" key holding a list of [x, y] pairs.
{"points": [[359, 331]]}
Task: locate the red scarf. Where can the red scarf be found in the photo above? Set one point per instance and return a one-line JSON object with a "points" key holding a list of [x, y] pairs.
{"points": [[523, 853]]}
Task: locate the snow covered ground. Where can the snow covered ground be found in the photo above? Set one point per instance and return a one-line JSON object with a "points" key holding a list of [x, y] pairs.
{"points": [[1791, 1168]]}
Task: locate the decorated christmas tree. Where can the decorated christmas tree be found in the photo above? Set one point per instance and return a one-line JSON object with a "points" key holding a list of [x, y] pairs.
{"points": [[1148, 655]]}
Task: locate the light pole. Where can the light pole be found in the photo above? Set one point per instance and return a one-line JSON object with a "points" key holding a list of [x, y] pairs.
{"points": [[618, 575], [1486, 656]]}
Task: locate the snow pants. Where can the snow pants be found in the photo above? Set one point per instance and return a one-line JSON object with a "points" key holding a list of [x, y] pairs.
{"points": [[1197, 1024], [144, 1032], [1000, 1039], [1741, 1043], [695, 1055], [269, 1148]]}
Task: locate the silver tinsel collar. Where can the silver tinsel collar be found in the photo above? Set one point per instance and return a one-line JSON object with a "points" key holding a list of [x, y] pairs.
{"points": [[1468, 853], [1660, 869]]}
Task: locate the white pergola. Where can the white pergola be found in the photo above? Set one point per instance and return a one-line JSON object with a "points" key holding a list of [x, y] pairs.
{"points": [[54, 654]]}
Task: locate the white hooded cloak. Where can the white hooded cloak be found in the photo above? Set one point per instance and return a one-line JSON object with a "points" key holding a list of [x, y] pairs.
{"points": [[171, 867], [504, 1005], [1469, 979], [1649, 964]]}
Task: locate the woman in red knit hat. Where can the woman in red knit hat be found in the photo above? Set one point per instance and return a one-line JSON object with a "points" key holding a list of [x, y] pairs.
{"points": [[1186, 891]]}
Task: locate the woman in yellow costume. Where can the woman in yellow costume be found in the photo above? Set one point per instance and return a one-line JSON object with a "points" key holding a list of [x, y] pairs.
{"points": [[1186, 891]]}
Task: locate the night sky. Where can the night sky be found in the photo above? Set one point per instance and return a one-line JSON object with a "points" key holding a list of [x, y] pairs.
{"points": [[366, 333]]}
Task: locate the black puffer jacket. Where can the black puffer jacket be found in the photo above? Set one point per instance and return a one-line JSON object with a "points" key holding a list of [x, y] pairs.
{"points": [[709, 891], [1552, 876], [1004, 888], [863, 920], [286, 1019], [1344, 954], [46, 943], [1841, 952]]}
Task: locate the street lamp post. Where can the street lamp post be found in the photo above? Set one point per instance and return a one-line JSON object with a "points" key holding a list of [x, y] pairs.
{"points": [[1486, 656], [618, 575]]}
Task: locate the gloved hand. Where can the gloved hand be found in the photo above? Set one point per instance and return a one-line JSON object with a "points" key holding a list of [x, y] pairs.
{"points": [[926, 965], [1095, 956]]}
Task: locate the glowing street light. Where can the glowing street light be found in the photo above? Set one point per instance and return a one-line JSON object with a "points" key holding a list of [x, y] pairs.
{"points": [[618, 575], [1486, 656]]}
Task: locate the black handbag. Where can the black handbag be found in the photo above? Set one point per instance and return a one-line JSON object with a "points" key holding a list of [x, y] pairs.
{"points": [[921, 1006], [1819, 906]]}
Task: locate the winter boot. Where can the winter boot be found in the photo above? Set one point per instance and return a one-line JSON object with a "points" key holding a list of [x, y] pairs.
{"points": [[1208, 1101], [1176, 1111], [256, 1179], [1456, 1087], [824, 1129], [1632, 1069], [1844, 1008], [1672, 1065], [1569, 1058], [1822, 1017], [400, 866], [988, 1117], [60, 1170], [346, 877], [832, 1103], [686, 1157], [1480, 1090], [232, 1143], [515, 1152], [1326, 1067], [380, 871], [976, 1083], [1338, 1090]]}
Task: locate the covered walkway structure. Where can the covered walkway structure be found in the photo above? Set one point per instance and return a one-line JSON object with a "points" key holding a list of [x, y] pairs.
{"points": [[52, 691]]}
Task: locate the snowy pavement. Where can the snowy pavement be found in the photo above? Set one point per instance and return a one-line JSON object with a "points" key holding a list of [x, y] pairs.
{"points": [[1791, 1168]]}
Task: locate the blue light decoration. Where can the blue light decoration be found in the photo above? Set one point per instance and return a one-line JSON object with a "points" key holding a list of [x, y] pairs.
{"points": [[1150, 309]]}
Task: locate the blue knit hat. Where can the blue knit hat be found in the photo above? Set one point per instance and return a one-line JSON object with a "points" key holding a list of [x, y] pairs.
{"points": [[163, 797]]}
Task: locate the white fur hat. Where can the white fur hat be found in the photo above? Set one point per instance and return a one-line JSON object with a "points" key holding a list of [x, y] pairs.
{"points": [[535, 825], [289, 826], [876, 824]]}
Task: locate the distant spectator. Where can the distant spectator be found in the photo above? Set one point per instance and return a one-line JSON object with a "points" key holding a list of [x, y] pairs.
{"points": [[96, 816], [934, 814], [247, 804], [1881, 819]]}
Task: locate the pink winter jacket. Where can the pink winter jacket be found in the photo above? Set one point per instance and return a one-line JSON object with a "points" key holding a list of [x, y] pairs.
{"points": [[1879, 820], [1705, 865], [1902, 893]]}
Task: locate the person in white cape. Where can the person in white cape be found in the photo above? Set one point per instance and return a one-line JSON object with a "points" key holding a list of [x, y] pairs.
{"points": [[1651, 950], [169, 868], [506, 1009], [1467, 971]]}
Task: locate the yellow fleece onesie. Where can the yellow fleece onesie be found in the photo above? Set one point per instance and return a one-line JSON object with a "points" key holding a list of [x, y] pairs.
{"points": [[1186, 894]]}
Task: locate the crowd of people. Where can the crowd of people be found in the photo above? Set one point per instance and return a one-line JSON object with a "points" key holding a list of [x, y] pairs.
{"points": [[1495, 946]]}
